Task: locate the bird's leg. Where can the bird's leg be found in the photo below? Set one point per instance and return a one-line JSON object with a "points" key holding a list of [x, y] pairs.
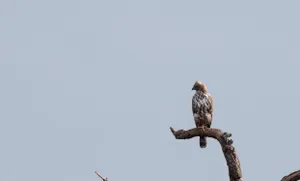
{"points": [[202, 127], [197, 124]]}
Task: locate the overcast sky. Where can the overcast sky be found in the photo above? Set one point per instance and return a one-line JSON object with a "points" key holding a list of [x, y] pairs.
{"points": [[94, 85]]}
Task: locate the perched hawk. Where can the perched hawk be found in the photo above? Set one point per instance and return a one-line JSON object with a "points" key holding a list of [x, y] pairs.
{"points": [[202, 108]]}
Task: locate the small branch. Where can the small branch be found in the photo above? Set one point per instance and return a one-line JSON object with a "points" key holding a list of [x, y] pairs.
{"points": [[103, 178], [233, 163], [292, 177]]}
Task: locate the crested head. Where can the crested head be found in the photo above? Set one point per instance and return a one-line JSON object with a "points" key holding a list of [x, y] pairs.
{"points": [[199, 86]]}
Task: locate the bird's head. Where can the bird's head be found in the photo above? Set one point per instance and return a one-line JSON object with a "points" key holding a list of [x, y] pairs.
{"points": [[199, 86]]}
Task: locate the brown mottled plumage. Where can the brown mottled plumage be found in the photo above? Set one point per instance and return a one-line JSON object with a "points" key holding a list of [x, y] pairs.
{"points": [[202, 108]]}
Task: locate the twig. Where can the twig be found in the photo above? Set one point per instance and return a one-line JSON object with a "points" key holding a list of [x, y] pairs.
{"points": [[103, 178]]}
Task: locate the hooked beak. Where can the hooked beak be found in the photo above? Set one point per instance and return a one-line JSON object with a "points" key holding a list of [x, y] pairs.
{"points": [[193, 88]]}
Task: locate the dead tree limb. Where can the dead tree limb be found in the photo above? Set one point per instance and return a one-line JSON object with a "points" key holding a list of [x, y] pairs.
{"points": [[233, 163], [292, 177]]}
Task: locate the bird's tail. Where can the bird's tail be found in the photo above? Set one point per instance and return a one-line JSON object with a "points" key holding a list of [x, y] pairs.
{"points": [[203, 142]]}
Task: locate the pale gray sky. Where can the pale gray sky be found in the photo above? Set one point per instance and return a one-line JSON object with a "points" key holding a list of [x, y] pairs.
{"points": [[94, 85]]}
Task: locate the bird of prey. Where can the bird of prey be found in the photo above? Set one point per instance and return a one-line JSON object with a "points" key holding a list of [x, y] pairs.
{"points": [[202, 108]]}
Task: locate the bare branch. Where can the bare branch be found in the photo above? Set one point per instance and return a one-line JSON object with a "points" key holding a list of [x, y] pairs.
{"points": [[103, 178], [292, 177], [233, 163]]}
